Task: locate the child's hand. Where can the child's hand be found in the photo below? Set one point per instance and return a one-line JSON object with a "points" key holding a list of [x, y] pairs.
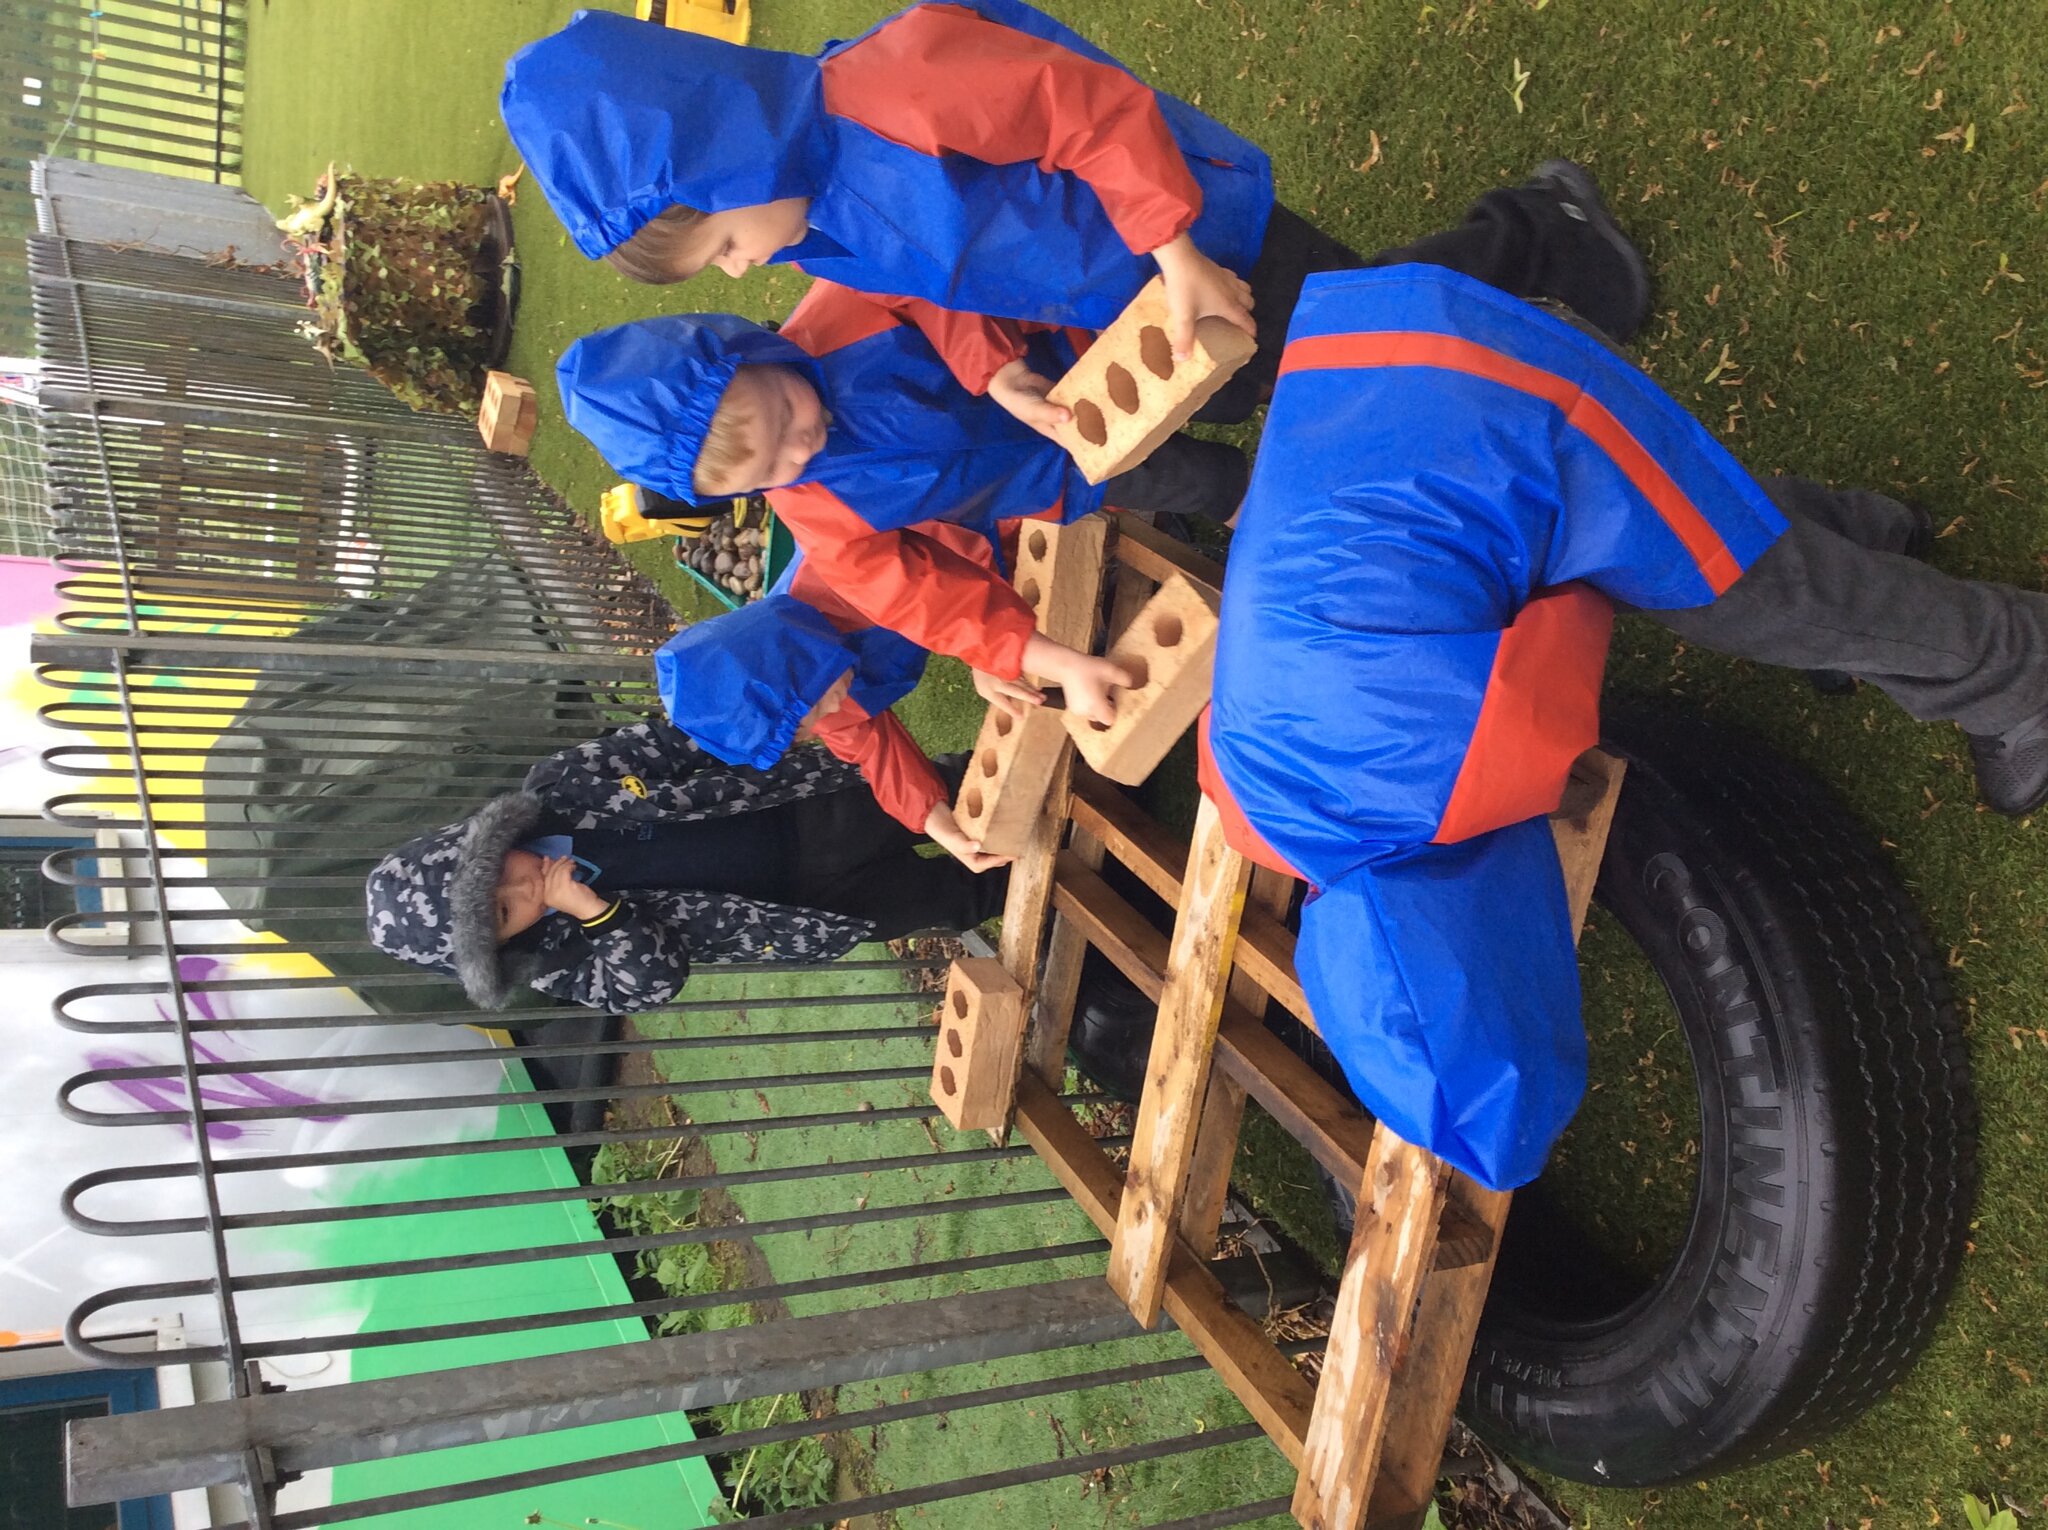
{"points": [[1086, 680], [560, 890], [1012, 696], [944, 830], [1198, 288], [1022, 392]]}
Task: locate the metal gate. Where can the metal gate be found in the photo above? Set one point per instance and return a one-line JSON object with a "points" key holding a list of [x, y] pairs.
{"points": [[307, 624]]}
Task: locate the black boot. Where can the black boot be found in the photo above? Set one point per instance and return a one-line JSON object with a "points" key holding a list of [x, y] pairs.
{"points": [[1604, 279], [2012, 767]]}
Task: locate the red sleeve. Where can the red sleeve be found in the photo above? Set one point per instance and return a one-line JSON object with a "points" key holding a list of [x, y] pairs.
{"points": [[904, 782], [973, 346], [942, 80], [910, 583]]}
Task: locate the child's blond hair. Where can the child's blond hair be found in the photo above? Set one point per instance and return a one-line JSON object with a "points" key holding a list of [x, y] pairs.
{"points": [[728, 442], [662, 251]]}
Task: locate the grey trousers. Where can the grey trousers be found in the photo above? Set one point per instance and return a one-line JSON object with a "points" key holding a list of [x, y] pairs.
{"points": [[1835, 593]]}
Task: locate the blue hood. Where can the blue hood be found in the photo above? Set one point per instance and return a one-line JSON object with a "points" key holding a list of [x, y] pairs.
{"points": [[644, 393], [739, 684], [619, 119]]}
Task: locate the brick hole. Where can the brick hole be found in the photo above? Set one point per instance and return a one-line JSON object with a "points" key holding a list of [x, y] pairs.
{"points": [[1088, 420], [1037, 543], [1004, 723], [1123, 388], [972, 802], [987, 761], [1030, 592], [960, 1003], [1166, 632], [946, 1082], [953, 1042], [1154, 351], [1141, 669]]}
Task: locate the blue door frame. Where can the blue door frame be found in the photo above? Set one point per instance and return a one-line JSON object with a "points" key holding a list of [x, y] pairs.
{"points": [[124, 1392]]}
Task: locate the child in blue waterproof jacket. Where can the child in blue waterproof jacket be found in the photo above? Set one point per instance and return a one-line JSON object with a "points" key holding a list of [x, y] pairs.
{"points": [[981, 162]]}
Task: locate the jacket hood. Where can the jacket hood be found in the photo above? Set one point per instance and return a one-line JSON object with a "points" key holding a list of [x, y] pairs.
{"points": [[619, 119], [644, 393], [433, 900], [740, 684]]}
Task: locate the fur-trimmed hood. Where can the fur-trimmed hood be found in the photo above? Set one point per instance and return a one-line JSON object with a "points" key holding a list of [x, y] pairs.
{"points": [[433, 900]]}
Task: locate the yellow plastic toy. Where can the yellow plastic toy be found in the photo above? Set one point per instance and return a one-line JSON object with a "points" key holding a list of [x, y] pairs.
{"points": [[727, 20], [621, 516]]}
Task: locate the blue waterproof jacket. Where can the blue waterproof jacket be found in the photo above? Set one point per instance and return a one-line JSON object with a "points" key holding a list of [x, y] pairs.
{"points": [[739, 684], [1402, 683], [977, 155]]}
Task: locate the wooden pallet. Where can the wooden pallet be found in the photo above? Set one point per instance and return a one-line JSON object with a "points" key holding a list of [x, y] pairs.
{"points": [[1368, 1438]]}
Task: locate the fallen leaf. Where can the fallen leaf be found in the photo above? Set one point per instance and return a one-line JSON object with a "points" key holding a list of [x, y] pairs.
{"points": [[1521, 83]]}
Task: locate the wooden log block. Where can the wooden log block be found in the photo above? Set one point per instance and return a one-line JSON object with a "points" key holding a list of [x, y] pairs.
{"points": [[981, 1026], [1171, 647], [1177, 1074], [510, 413], [1128, 394]]}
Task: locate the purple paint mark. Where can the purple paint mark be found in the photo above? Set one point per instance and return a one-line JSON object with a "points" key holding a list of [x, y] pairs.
{"points": [[237, 1090]]}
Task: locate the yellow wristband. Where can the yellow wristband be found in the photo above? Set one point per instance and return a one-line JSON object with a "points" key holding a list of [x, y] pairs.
{"points": [[591, 924]]}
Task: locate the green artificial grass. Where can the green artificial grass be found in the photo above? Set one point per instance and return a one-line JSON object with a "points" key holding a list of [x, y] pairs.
{"points": [[1842, 203]]}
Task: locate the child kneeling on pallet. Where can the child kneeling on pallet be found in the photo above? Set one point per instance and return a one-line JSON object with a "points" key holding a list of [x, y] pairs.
{"points": [[1454, 488], [623, 861]]}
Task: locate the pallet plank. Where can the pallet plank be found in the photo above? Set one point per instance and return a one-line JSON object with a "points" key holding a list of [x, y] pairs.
{"points": [[1162, 1146], [1263, 1379]]}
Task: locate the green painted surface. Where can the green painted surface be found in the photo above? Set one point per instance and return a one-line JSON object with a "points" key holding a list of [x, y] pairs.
{"points": [[661, 1497]]}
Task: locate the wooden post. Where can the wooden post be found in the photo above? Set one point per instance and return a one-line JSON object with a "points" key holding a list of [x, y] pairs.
{"points": [[1162, 1147]]}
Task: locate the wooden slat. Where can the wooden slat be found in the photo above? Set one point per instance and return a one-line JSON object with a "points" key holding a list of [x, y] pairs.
{"points": [[1377, 1438], [1027, 907], [1162, 1145], [1111, 925], [1391, 1250], [1337, 1134], [1222, 1117], [1265, 946], [1158, 556], [1059, 983], [1270, 1388]]}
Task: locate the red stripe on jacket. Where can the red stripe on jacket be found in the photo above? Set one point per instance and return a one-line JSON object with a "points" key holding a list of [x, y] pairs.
{"points": [[1415, 348], [942, 79], [1541, 711], [910, 582], [1238, 832]]}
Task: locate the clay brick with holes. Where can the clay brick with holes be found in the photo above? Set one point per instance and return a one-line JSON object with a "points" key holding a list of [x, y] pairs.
{"points": [[1008, 775], [1171, 644], [1059, 575], [981, 1027], [1002, 796], [510, 414], [1127, 392]]}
